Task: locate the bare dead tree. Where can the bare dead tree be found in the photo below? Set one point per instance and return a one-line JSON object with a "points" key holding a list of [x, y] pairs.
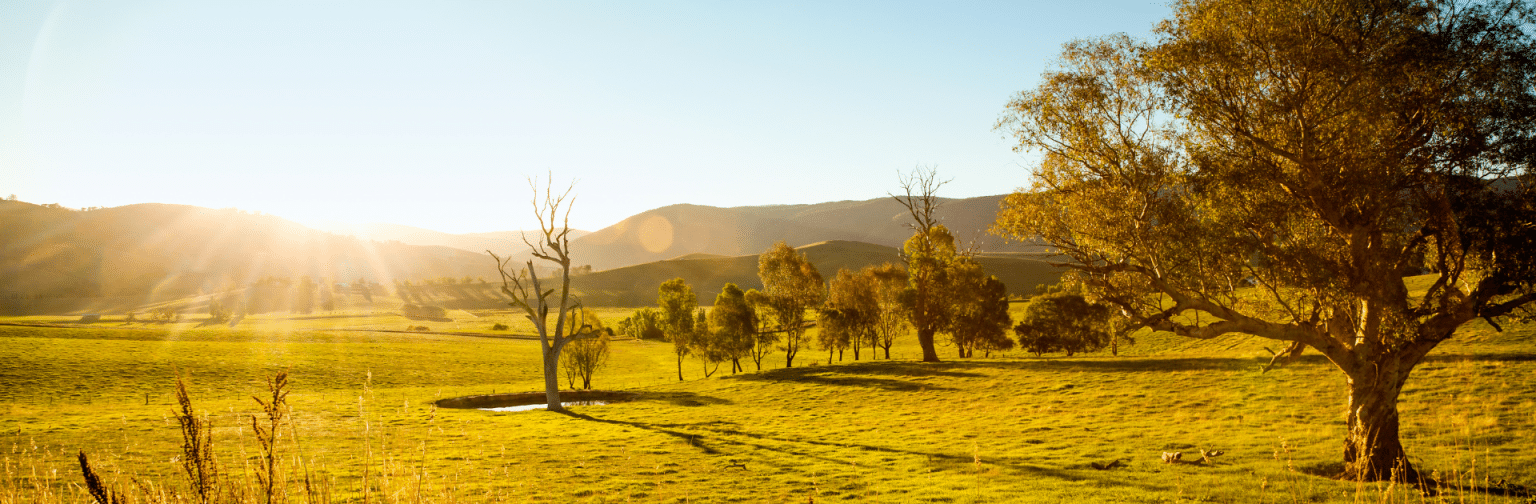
{"points": [[529, 293], [920, 196]]}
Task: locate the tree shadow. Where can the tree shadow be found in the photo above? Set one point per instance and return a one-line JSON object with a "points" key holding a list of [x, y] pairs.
{"points": [[1129, 364], [1334, 470], [838, 376], [334, 316], [431, 319], [682, 399], [1495, 357], [721, 433], [694, 440]]}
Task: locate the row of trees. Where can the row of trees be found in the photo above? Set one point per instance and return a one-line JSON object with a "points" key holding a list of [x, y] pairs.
{"points": [[860, 310]]}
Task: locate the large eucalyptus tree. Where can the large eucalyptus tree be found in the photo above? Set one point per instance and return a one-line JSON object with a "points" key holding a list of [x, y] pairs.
{"points": [[1277, 168]]}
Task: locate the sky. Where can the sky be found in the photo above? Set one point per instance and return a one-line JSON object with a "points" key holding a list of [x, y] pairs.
{"points": [[435, 114]]}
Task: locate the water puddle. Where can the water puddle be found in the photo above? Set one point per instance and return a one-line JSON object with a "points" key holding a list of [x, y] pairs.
{"points": [[531, 407]]}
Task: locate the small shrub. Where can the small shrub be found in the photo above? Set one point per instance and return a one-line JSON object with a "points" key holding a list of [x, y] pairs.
{"points": [[418, 328], [164, 315], [499, 327], [423, 311]]}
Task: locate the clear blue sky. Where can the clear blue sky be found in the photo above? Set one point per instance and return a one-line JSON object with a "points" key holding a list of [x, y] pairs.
{"points": [[434, 113]]}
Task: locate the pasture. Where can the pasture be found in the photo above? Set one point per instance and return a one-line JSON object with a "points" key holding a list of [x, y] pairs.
{"points": [[1005, 429]]}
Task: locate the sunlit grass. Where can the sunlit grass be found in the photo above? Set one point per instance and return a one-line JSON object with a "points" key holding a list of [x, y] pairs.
{"points": [[982, 430]]}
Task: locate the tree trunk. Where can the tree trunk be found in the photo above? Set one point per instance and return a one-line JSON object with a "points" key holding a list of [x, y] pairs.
{"points": [[1372, 450], [552, 378], [679, 367], [887, 353], [925, 340]]}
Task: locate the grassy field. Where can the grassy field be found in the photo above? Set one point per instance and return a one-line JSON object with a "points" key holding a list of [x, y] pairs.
{"points": [[1006, 429]]}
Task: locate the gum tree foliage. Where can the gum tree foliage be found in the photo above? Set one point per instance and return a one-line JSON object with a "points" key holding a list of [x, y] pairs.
{"points": [[891, 319], [534, 297], [645, 324], [979, 314], [791, 285], [848, 318], [582, 358], [677, 302], [1276, 168], [1063, 322], [764, 338], [735, 323], [706, 344]]}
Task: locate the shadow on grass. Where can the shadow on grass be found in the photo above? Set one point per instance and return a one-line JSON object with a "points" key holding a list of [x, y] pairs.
{"points": [[1125, 365], [1335, 471], [337, 316], [694, 440], [682, 398], [869, 375], [1497, 357], [718, 433], [430, 319]]}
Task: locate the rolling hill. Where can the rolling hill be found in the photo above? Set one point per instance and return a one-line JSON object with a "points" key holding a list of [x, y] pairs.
{"points": [[636, 285], [59, 260], [55, 259], [500, 242], [680, 230]]}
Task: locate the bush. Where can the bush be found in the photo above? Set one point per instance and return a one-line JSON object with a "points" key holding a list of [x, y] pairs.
{"points": [[1064, 322], [499, 327], [423, 311], [418, 328]]}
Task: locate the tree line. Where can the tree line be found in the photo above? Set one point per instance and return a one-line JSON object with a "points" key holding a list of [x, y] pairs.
{"points": [[865, 311]]}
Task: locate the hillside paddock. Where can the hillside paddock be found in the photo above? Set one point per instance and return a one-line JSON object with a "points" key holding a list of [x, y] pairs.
{"points": [[1004, 429]]}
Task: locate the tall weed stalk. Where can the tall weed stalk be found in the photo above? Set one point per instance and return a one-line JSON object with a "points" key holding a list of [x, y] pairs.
{"points": [[196, 447]]}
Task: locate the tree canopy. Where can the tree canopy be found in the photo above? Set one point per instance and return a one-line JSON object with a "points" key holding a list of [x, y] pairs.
{"points": [[1063, 322], [791, 285], [677, 302], [979, 317], [848, 318], [1276, 168], [734, 321]]}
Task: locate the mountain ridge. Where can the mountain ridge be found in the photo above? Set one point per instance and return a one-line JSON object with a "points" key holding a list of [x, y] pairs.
{"points": [[158, 251]]}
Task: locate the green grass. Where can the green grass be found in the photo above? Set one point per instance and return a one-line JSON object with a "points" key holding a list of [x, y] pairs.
{"points": [[1007, 429]]}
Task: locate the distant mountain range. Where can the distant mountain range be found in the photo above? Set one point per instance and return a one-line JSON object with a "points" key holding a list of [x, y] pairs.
{"points": [[142, 253]]}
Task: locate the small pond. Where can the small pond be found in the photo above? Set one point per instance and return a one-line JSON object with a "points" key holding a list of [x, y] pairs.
{"points": [[528, 401]]}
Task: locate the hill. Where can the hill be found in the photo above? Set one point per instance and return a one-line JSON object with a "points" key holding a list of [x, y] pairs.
{"points": [[500, 242], [679, 230], [54, 259], [636, 285], [59, 260]]}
